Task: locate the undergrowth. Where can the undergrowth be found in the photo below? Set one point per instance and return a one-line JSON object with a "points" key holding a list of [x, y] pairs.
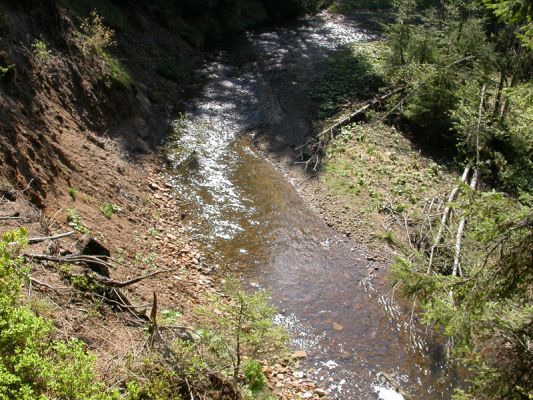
{"points": [[222, 357]]}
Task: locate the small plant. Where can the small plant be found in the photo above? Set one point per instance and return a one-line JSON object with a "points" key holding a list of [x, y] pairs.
{"points": [[170, 317], [6, 69], [42, 55], [33, 364], [94, 35], [72, 192], [254, 376], [83, 283], [74, 220], [242, 328], [108, 209]]}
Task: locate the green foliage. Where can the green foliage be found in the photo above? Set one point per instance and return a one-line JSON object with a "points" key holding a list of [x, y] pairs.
{"points": [[74, 220], [6, 69], [117, 71], [109, 209], [254, 376], [241, 328], [72, 192], [518, 13], [487, 310], [154, 381], [42, 55], [32, 363], [170, 317]]}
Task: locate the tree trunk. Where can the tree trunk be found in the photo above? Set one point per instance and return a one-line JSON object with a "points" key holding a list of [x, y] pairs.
{"points": [[444, 218]]}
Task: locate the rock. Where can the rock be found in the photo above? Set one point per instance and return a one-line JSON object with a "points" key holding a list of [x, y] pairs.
{"points": [[307, 395], [298, 374], [337, 327], [153, 186], [299, 354], [320, 392]]}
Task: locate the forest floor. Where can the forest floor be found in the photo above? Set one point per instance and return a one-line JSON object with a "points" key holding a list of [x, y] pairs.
{"points": [[373, 181]]}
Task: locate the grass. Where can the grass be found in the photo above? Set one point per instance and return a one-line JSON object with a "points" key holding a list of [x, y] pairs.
{"points": [[117, 71], [374, 169]]}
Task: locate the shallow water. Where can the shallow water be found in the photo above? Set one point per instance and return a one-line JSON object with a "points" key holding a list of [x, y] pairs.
{"points": [[253, 220]]}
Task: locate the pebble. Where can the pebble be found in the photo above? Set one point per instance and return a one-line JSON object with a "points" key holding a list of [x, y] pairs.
{"points": [[337, 327], [300, 354]]}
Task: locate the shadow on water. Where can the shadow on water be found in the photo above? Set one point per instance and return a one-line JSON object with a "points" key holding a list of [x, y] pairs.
{"points": [[244, 210]]}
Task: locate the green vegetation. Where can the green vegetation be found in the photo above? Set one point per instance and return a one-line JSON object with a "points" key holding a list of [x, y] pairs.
{"points": [[95, 39], [109, 209], [463, 75], [6, 69], [234, 337], [42, 55], [73, 192], [232, 341], [33, 364], [74, 220]]}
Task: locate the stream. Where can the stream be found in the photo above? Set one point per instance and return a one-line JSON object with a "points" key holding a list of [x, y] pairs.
{"points": [[244, 209]]}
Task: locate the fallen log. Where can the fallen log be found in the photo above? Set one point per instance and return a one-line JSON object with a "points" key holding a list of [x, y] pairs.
{"points": [[75, 258], [350, 117]]}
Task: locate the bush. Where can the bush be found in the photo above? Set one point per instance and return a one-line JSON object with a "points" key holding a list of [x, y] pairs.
{"points": [[32, 363], [94, 35]]}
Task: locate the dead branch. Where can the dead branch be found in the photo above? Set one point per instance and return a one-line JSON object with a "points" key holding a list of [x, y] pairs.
{"points": [[10, 217], [39, 283], [121, 284], [460, 231], [445, 217], [75, 258], [473, 185], [26, 188], [54, 237], [154, 331]]}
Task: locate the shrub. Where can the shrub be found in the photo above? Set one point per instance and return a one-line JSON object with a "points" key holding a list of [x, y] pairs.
{"points": [[72, 192], [94, 35], [74, 220], [33, 364]]}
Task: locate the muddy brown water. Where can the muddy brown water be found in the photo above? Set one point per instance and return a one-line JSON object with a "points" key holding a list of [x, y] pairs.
{"points": [[245, 210]]}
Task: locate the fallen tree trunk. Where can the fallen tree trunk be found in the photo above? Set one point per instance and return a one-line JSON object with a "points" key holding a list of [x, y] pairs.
{"points": [[349, 118]]}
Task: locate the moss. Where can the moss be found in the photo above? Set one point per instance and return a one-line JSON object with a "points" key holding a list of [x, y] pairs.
{"points": [[117, 71]]}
